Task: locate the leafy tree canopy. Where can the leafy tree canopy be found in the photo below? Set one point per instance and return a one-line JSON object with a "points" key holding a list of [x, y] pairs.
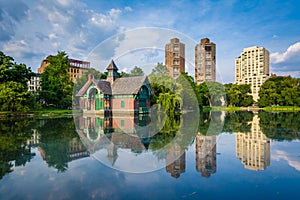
{"points": [[11, 71], [281, 90], [136, 71], [56, 83], [160, 69]]}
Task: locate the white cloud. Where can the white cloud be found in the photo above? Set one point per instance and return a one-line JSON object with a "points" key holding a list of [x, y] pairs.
{"points": [[65, 3], [290, 53], [292, 159], [108, 21], [288, 62], [52, 26], [128, 9]]}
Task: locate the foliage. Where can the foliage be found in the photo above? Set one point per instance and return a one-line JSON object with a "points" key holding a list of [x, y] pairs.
{"points": [[14, 150], [56, 83], [188, 92], [169, 102], [238, 121], [160, 69], [211, 93], [84, 78], [166, 134], [136, 71], [280, 125], [56, 145], [11, 71], [210, 123], [14, 95], [282, 91], [160, 84], [238, 95]]}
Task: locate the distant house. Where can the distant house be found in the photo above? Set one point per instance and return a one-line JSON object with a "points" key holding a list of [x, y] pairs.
{"points": [[116, 95]]}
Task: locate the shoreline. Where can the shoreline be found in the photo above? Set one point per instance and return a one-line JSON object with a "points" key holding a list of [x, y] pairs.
{"points": [[64, 113], [253, 109]]}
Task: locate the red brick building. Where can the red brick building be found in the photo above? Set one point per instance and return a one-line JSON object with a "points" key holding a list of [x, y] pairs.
{"points": [[76, 70], [129, 95]]}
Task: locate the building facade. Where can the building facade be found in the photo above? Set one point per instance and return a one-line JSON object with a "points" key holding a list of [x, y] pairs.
{"points": [[253, 67], [115, 95], [175, 57], [76, 70], [205, 61], [34, 83]]}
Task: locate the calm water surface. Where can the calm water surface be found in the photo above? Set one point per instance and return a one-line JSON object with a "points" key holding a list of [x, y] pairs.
{"points": [[240, 155]]}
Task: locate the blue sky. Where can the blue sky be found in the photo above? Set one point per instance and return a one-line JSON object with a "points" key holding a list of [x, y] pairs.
{"points": [[32, 29]]}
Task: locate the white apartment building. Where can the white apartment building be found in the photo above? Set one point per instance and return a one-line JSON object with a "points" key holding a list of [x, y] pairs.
{"points": [[34, 83], [253, 67]]}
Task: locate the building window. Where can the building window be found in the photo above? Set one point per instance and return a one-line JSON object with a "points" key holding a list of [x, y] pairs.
{"points": [[122, 104], [122, 122]]}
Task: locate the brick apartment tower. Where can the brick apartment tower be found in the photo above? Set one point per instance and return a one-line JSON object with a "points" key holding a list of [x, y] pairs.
{"points": [[175, 57], [205, 61], [252, 67]]}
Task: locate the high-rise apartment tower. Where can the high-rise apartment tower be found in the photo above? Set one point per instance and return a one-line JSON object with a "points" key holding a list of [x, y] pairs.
{"points": [[205, 61], [175, 57], [252, 67]]}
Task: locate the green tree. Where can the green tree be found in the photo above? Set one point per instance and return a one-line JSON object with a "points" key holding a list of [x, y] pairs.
{"points": [[283, 91], [136, 71], [170, 102], [56, 84], [238, 95], [84, 78], [11, 71], [14, 95], [160, 69], [211, 93]]}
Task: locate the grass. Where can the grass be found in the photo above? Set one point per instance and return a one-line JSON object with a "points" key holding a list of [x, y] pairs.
{"points": [[271, 108], [41, 113], [282, 108]]}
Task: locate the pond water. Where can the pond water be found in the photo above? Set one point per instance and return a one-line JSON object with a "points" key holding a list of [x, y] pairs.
{"points": [[237, 155]]}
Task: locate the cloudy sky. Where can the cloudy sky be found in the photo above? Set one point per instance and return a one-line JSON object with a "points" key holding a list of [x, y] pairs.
{"points": [[135, 32]]}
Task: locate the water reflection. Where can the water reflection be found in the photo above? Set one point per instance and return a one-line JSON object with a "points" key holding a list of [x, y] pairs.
{"points": [[253, 148], [175, 160], [206, 155], [129, 142]]}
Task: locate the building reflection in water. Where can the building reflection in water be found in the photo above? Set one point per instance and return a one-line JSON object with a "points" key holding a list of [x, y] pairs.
{"points": [[206, 155], [253, 148], [75, 149], [175, 160], [112, 133]]}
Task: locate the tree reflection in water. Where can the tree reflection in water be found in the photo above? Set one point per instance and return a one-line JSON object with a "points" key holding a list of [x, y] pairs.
{"points": [[59, 143]]}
